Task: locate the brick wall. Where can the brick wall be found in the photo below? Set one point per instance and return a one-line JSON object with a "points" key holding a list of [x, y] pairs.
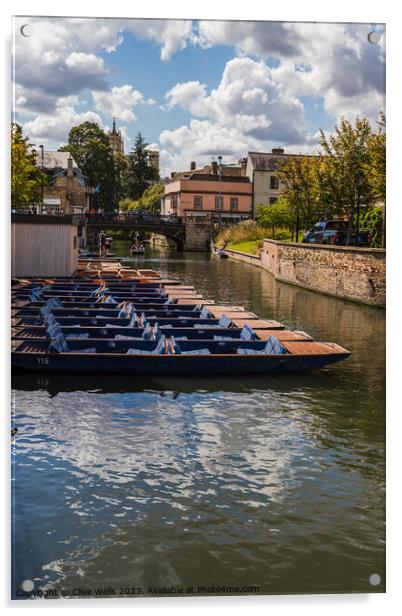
{"points": [[351, 273]]}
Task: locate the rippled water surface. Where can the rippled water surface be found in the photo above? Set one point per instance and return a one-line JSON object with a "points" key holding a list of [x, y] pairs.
{"points": [[268, 484]]}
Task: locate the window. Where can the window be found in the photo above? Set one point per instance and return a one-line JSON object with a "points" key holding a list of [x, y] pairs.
{"points": [[198, 203], [173, 201], [273, 183], [273, 200], [219, 203], [234, 203]]}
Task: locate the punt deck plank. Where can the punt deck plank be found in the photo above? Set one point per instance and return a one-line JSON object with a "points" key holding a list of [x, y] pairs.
{"points": [[316, 348], [284, 335], [258, 323]]}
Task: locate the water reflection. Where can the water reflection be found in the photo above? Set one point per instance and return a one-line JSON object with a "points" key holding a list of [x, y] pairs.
{"points": [[273, 481]]}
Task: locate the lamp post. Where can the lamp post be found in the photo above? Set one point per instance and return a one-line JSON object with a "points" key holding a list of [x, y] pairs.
{"points": [[41, 147], [220, 189], [359, 185]]}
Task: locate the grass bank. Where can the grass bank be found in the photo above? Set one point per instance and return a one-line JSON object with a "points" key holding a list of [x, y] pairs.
{"points": [[248, 237], [251, 247]]}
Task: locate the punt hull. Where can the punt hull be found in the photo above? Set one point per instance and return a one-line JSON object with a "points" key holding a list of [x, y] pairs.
{"points": [[172, 364]]}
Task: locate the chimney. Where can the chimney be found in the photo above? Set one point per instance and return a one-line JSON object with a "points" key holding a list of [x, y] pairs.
{"points": [[192, 166], [278, 151], [70, 173], [214, 167], [243, 166]]}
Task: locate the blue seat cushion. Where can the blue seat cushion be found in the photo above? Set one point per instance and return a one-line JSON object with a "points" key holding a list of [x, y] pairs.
{"points": [[157, 334], [147, 334], [54, 303], [121, 337], [247, 333], [133, 321], [160, 349], [83, 335], [200, 326], [53, 329], [272, 347], [110, 300], [36, 294], [59, 344], [90, 350], [197, 352], [223, 338], [132, 351], [224, 321], [205, 314]]}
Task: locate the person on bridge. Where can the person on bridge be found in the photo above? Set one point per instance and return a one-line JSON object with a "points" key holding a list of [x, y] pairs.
{"points": [[102, 244]]}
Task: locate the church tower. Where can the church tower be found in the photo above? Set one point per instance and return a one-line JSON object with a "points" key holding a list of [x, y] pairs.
{"points": [[115, 139]]}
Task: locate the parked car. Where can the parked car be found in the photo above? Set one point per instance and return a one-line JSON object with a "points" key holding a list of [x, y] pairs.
{"points": [[327, 232], [335, 232]]}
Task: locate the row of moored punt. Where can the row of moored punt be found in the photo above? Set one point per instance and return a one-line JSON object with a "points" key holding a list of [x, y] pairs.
{"points": [[146, 324]]}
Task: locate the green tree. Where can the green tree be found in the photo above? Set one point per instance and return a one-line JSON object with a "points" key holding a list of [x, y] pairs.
{"points": [[26, 177], [89, 145], [298, 174], [139, 174], [375, 167], [151, 198], [275, 216], [345, 173], [372, 221], [119, 176], [128, 204]]}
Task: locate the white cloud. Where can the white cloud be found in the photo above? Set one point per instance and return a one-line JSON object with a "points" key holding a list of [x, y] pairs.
{"points": [[119, 102], [256, 104], [171, 35], [247, 98], [86, 62], [262, 39], [54, 128], [199, 141], [332, 60]]}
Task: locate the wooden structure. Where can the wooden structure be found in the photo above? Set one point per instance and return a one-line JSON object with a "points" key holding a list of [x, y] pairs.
{"points": [[43, 245]]}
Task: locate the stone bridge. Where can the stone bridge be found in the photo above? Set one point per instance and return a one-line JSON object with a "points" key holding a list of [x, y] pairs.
{"points": [[191, 233]]}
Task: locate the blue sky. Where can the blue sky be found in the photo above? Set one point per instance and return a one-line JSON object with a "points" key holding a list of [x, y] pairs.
{"points": [[196, 89]]}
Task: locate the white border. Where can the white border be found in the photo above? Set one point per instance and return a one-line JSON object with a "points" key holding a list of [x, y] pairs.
{"points": [[292, 10]]}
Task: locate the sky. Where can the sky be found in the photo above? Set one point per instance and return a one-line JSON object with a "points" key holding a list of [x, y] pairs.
{"points": [[196, 89]]}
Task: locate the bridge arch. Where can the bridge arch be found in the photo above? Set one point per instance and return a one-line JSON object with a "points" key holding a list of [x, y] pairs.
{"points": [[173, 229]]}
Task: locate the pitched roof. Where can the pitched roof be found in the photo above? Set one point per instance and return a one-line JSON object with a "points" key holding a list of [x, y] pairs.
{"points": [[54, 160], [205, 173], [268, 161]]}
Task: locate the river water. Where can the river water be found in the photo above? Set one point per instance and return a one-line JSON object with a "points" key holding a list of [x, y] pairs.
{"points": [[126, 485]]}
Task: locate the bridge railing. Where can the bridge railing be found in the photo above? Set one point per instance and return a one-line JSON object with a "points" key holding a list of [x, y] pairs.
{"points": [[132, 217]]}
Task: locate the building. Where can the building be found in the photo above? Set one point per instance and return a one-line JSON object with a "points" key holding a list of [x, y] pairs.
{"points": [[261, 169], [153, 159], [116, 140], [66, 190], [224, 196]]}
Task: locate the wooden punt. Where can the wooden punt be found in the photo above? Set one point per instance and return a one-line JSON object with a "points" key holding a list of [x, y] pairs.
{"points": [[107, 310], [168, 319], [191, 333], [87, 302], [223, 359], [198, 353]]}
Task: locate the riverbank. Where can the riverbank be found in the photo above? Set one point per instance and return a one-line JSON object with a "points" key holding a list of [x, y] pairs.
{"points": [[356, 274]]}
